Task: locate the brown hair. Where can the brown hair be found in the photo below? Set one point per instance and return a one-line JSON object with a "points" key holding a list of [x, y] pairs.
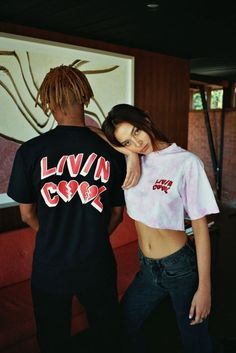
{"points": [[62, 86], [136, 117]]}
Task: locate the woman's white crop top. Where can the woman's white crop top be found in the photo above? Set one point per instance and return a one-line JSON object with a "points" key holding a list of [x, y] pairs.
{"points": [[173, 185]]}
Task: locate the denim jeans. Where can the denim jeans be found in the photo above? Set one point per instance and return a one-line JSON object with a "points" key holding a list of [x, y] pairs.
{"points": [[175, 276]]}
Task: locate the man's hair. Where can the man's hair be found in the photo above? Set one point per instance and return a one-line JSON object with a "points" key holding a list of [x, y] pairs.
{"points": [[62, 86]]}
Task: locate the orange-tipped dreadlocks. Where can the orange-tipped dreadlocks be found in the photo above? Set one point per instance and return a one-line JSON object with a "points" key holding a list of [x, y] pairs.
{"points": [[62, 86]]}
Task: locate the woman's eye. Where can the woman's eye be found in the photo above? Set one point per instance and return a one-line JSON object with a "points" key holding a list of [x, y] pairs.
{"points": [[136, 131], [126, 143]]}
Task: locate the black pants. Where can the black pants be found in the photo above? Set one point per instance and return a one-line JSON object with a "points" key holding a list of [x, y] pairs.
{"points": [[53, 317]]}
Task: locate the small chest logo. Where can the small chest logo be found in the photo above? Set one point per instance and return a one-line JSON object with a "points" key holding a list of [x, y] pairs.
{"points": [[163, 185]]}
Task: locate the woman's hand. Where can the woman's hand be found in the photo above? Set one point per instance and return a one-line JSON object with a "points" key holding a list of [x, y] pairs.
{"points": [[200, 306], [133, 170]]}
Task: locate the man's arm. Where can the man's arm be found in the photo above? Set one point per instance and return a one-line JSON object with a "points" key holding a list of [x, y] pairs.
{"points": [[29, 216], [116, 218]]}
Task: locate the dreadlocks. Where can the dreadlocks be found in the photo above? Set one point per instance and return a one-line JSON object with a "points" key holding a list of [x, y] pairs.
{"points": [[62, 86]]}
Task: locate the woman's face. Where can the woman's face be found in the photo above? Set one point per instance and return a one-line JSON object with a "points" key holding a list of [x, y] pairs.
{"points": [[133, 139]]}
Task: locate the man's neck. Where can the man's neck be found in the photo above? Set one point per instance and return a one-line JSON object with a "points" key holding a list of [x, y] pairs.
{"points": [[71, 122], [72, 116]]}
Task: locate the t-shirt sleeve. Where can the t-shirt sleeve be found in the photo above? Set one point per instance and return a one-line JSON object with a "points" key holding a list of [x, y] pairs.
{"points": [[20, 187], [120, 171], [197, 194]]}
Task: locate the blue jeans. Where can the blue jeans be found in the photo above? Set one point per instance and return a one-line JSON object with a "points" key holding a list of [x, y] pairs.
{"points": [[175, 276]]}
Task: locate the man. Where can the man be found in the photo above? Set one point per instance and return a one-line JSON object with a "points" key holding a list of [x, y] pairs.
{"points": [[68, 184]]}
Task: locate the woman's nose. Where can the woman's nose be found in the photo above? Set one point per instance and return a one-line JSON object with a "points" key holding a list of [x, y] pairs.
{"points": [[138, 143]]}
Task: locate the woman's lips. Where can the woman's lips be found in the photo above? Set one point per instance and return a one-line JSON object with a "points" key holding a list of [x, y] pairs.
{"points": [[144, 149]]}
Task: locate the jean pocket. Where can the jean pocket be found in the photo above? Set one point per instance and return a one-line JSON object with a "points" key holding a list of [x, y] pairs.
{"points": [[186, 267]]}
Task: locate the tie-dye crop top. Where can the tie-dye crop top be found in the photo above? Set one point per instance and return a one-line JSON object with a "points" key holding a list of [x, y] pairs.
{"points": [[173, 185]]}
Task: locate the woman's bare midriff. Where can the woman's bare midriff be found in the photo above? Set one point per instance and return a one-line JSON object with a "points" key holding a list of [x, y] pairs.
{"points": [[157, 243]]}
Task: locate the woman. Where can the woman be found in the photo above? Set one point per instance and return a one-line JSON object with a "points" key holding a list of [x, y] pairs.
{"points": [[173, 185]]}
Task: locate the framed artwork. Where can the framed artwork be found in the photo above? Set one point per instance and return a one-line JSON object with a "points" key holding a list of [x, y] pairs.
{"points": [[24, 61]]}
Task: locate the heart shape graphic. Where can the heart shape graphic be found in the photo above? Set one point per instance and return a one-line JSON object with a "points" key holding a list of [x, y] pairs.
{"points": [[87, 192], [66, 190]]}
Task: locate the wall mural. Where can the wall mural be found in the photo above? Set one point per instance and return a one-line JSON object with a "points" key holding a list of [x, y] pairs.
{"points": [[23, 64]]}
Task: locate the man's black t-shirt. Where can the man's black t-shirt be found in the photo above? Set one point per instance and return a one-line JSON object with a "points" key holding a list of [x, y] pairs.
{"points": [[75, 178]]}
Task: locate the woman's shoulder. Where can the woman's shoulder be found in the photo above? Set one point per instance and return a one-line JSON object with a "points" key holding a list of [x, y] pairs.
{"points": [[189, 156]]}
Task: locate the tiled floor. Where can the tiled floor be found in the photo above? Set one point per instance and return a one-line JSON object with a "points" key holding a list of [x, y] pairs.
{"points": [[161, 327]]}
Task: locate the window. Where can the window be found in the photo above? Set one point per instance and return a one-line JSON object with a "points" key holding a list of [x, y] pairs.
{"points": [[196, 101], [216, 99], [234, 96]]}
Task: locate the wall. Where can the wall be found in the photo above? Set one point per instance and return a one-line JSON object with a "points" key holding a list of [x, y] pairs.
{"points": [[161, 82], [198, 143]]}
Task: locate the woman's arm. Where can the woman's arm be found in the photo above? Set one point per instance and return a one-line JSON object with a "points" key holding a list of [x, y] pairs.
{"points": [[132, 162], [201, 303]]}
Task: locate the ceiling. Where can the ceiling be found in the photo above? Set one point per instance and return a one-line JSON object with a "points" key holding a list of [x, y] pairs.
{"points": [[202, 31]]}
